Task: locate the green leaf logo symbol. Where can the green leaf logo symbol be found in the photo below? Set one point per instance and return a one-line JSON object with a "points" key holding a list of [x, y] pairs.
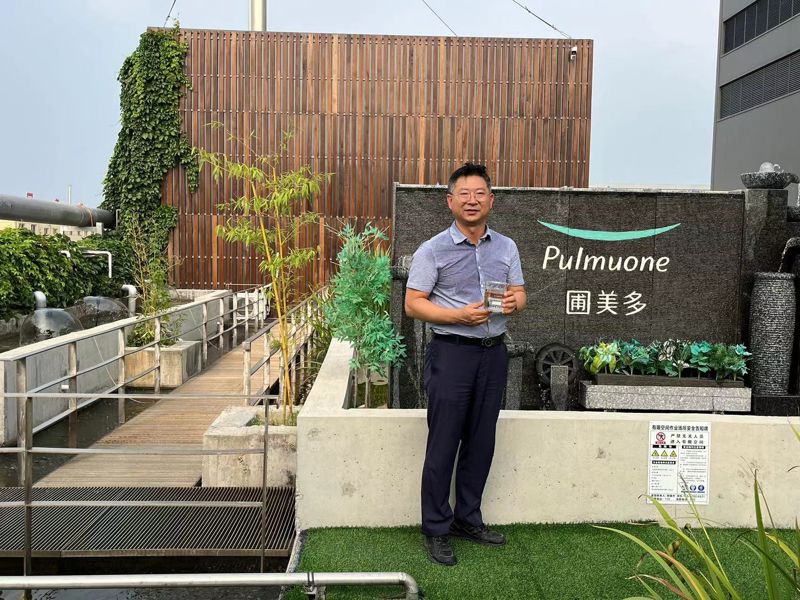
{"points": [[608, 236]]}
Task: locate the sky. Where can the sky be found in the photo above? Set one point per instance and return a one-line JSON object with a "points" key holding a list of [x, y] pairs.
{"points": [[653, 80]]}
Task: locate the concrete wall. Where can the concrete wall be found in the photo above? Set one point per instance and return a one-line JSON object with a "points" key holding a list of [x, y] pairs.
{"points": [[47, 361], [230, 431], [363, 467]]}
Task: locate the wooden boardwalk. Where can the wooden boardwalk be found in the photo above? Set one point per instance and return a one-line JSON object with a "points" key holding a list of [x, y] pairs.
{"points": [[171, 422]]}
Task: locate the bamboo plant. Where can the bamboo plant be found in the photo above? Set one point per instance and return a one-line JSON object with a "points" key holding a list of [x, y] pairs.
{"points": [[268, 215]]}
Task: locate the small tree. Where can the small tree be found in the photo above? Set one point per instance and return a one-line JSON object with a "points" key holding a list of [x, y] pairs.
{"points": [[150, 270], [359, 309], [268, 217]]}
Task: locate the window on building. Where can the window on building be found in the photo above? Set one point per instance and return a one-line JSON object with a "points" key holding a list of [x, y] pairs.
{"points": [[761, 17], [728, 42], [755, 19], [750, 13], [771, 81], [786, 10]]}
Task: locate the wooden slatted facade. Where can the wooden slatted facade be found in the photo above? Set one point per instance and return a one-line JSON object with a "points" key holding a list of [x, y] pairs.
{"points": [[374, 110]]}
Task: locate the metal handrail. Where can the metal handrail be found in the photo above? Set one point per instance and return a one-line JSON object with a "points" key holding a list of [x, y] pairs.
{"points": [[78, 336], [310, 581], [20, 356], [26, 450], [305, 309]]}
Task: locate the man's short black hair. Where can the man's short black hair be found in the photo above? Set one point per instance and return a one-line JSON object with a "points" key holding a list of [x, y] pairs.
{"points": [[466, 170]]}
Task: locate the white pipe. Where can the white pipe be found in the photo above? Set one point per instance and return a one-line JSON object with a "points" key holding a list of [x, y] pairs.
{"points": [[132, 294], [65, 253], [100, 253], [193, 580]]}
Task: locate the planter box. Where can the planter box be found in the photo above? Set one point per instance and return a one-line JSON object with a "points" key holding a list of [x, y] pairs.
{"points": [[231, 431], [662, 380], [665, 398], [179, 362]]}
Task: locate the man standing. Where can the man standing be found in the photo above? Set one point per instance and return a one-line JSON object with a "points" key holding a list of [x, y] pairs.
{"points": [[466, 362]]}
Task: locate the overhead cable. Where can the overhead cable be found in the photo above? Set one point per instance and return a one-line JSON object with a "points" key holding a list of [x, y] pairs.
{"points": [[170, 12], [522, 6], [440, 18]]}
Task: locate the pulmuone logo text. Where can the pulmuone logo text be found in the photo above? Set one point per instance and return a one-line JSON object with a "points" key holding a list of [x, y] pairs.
{"points": [[583, 261], [590, 262]]}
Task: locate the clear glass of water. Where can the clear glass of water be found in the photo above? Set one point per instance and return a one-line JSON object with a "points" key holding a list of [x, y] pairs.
{"points": [[493, 293]]}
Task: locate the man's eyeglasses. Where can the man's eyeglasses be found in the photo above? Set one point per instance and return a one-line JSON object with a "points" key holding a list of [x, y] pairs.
{"points": [[465, 195]]}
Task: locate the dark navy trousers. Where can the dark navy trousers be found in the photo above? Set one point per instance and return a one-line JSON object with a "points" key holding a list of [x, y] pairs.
{"points": [[465, 385]]}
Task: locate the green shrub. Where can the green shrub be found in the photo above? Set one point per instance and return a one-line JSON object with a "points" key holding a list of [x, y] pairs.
{"points": [[149, 273], [122, 265], [359, 309], [30, 262]]}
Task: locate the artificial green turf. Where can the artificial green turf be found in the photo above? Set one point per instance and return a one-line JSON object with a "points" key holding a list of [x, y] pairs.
{"points": [[548, 562]]}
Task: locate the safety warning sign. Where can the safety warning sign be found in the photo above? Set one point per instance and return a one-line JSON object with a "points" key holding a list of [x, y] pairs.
{"points": [[678, 461]]}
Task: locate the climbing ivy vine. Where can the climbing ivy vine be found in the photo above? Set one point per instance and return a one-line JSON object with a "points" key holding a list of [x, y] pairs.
{"points": [[150, 140]]}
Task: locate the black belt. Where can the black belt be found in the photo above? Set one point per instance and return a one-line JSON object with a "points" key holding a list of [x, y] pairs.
{"points": [[486, 342]]}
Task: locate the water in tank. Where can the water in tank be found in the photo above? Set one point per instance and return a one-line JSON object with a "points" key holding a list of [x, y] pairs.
{"points": [[92, 311], [46, 323]]}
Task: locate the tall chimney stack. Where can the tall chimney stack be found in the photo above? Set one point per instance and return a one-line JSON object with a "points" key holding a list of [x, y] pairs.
{"points": [[258, 15]]}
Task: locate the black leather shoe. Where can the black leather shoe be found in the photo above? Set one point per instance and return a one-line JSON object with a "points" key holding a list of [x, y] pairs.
{"points": [[439, 550], [480, 535]]}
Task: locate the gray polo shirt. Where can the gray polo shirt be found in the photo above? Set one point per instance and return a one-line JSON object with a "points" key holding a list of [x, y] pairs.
{"points": [[452, 270]]}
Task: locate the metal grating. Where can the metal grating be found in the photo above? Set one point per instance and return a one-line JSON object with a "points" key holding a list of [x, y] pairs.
{"points": [[113, 531]]}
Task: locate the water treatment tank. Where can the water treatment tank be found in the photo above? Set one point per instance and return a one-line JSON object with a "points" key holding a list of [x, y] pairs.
{"points": [[92, 311], [46, 323]]}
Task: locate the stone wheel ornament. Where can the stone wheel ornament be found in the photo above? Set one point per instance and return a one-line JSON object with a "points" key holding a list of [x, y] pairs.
{"points": [[556, 355]]}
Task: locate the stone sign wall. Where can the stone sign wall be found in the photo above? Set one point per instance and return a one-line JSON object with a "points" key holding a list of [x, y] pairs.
{"points": [[605, 264]]}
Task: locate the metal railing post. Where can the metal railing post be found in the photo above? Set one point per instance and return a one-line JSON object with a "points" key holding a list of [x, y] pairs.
{"points": [[305, 337], [267, 372], [157, 356], [21, 387], [261, 306], [204, 333], [247, 315], [246, 372], [235, 319], [221, 325], [281, 378], [121, 375], [72, 371], [358, 399], [25, 442], [264, 484], [293, 361]]}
